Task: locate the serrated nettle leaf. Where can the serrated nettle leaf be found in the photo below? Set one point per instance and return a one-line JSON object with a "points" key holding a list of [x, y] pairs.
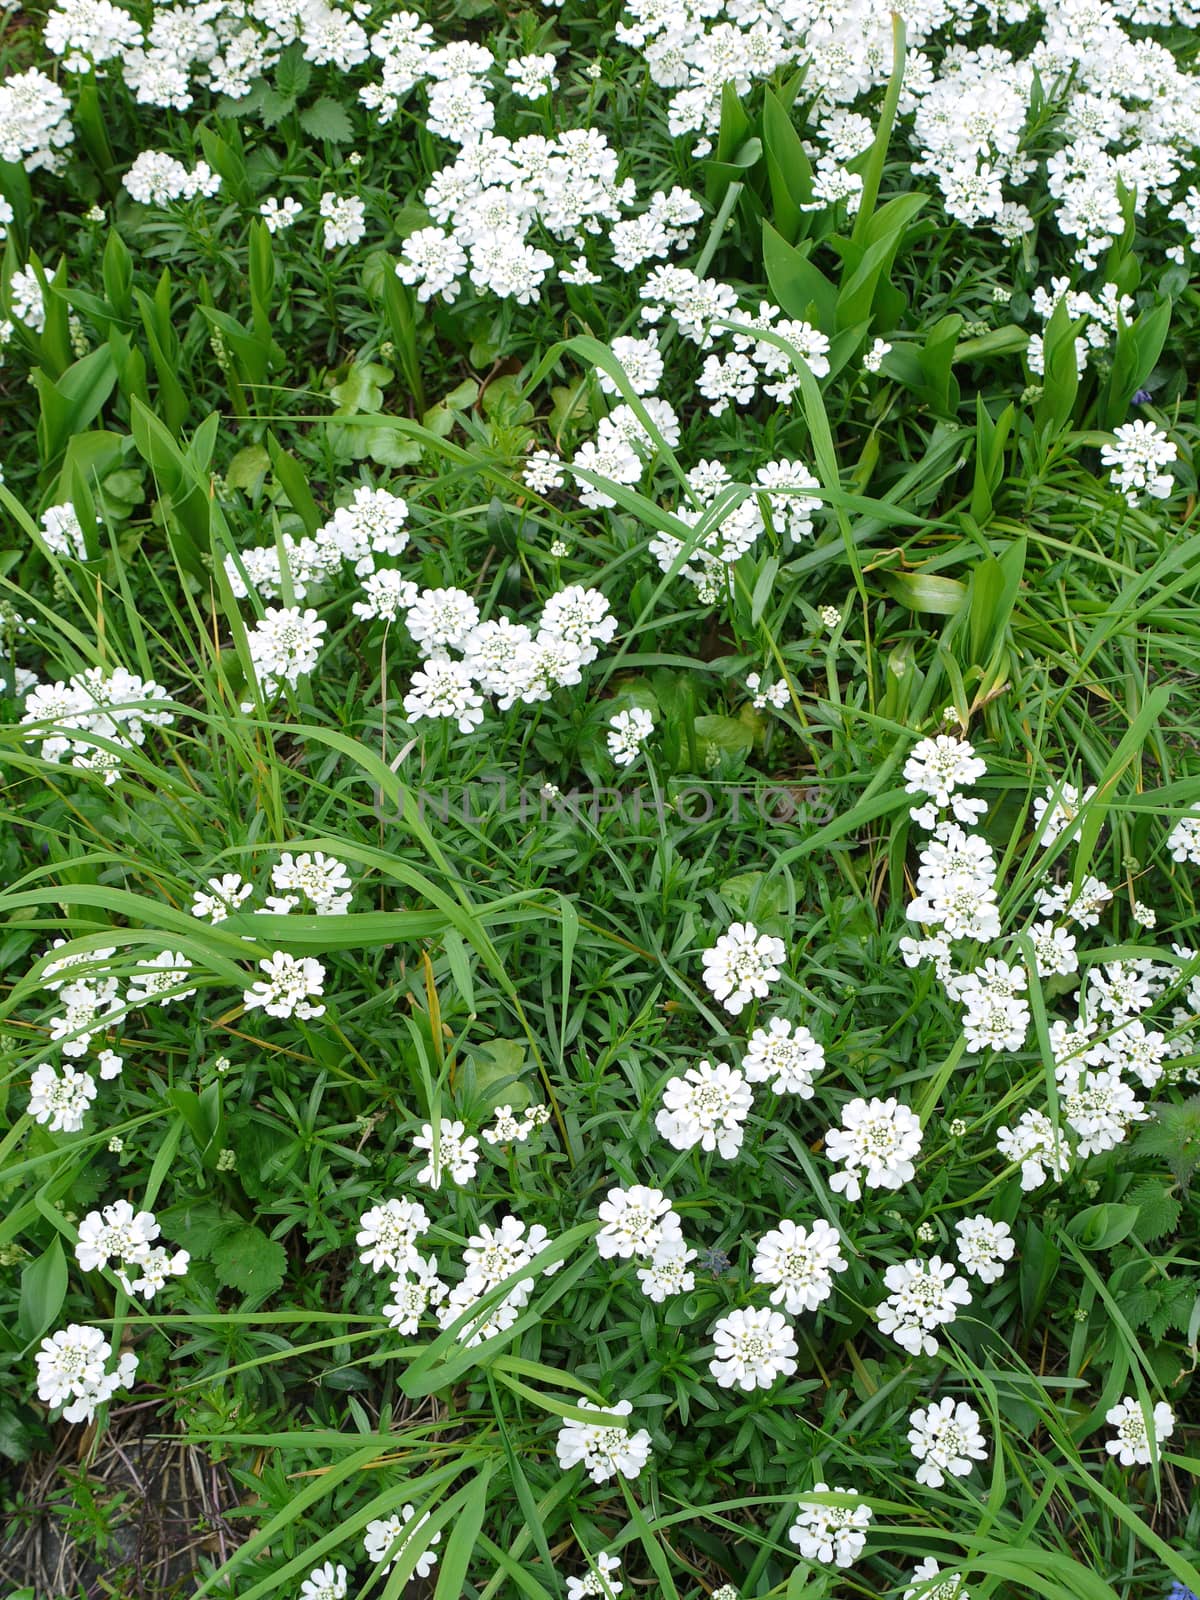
{"points": [[327, 119], [246, 1259]]}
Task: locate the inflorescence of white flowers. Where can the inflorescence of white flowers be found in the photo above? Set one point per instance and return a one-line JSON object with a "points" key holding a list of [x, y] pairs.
{"points": [[119, 1233], [74, 1371], [464, 658]]}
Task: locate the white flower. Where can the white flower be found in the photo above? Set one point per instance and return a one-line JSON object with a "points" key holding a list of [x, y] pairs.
{"points": [[924, 1589], [387, 1235], [789, 505], [279, 215], [835, 1535], [629, 732], [945, 1437], [158, 980], [605, 1449], [599, 1581], [532, 75], [707, 1106], [416, 1289], [391, 1536], [457, 1153], [924, 1296], [798, 1263], [641, 362], [73, 1371], [60, 1103], [322, 879], [772, 692], [940, 767], [345, 220], [156, 179], [1100, 1106], [1134, 1444], [324, 1583], [789, 1056], [444, 689], [154, 1268], [742, 965], [984, 1246], [1183, 841], [224, 894], [669, 1273], [116, 1231], [284, 644], [286, 989], [753, 1347], [63, 532], [1034, 1143], [1139, 448], [1057, 811], [873, 359], [637, 1222], [878, 1140]]}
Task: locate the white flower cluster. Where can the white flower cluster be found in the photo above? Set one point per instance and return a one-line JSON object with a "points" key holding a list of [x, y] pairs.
{"points": [[156, 179], [284, 645], [628, 732], [288, 988], [925, 1296], [387, 1538], [89, 1004], [508, 1128], [834, 1534], [63, 532], [1138, 453], [1102, 316], [387, 1238], [945, 1437], [35, 123], [118, 1232], [1099, 1050], [310, 880], [1125, 108], [600, 1580], [877, 1140], [607, 1449], [359, 534], [73, 1371], [742, 965], [68, 717], [1141, 1431], [515, 663], [720, 521]]}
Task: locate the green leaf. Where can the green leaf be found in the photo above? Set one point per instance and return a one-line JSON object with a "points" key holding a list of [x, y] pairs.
{"points": [[327, 119], [248, 468], [497, 1064], [248, 1260], [1100, 1227], [789, 170], [361, 388], [925, 591], [802, 290], [43, 1290], [755, 895], [727, 733]]}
